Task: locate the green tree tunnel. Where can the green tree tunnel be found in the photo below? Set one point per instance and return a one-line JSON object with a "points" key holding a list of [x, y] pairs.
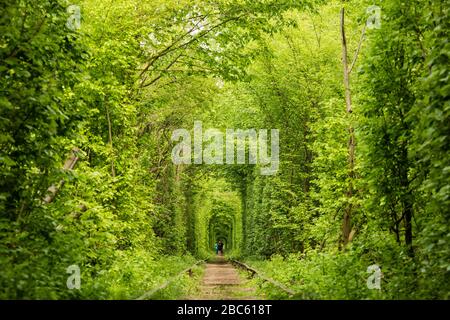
{"points": [[219, 217], [92, 92]]}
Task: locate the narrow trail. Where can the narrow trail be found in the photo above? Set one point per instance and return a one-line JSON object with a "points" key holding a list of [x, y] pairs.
{"points": [[222, 281]]}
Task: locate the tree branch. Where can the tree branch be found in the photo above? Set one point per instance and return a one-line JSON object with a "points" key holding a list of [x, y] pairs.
{"points": [[363, 33], [173, 47], [68, 165]]}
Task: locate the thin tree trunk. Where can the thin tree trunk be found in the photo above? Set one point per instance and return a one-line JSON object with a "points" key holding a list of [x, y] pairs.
{"points": [[346, 224], [407, 213], [348, 100], [68, 165], [113, 171], [408, 230]]}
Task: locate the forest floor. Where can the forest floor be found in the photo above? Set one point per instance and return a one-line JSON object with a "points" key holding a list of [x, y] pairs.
{"points": [[222, 281]]}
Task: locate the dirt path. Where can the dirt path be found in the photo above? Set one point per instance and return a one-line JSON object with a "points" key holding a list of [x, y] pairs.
{"points": [[221, 281]]}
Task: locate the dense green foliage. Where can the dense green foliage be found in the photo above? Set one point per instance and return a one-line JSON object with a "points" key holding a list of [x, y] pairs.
{"points": [[110, 91]]}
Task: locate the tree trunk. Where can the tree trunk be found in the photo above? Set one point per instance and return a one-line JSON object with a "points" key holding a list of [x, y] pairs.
{"points": [[407, 202], [113, 171], [408, 230], [346, 224], [68, 165], [348, 100]]}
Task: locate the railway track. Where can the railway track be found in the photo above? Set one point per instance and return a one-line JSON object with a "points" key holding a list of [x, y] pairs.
{"points": [[256, 273], [217, 280]]}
